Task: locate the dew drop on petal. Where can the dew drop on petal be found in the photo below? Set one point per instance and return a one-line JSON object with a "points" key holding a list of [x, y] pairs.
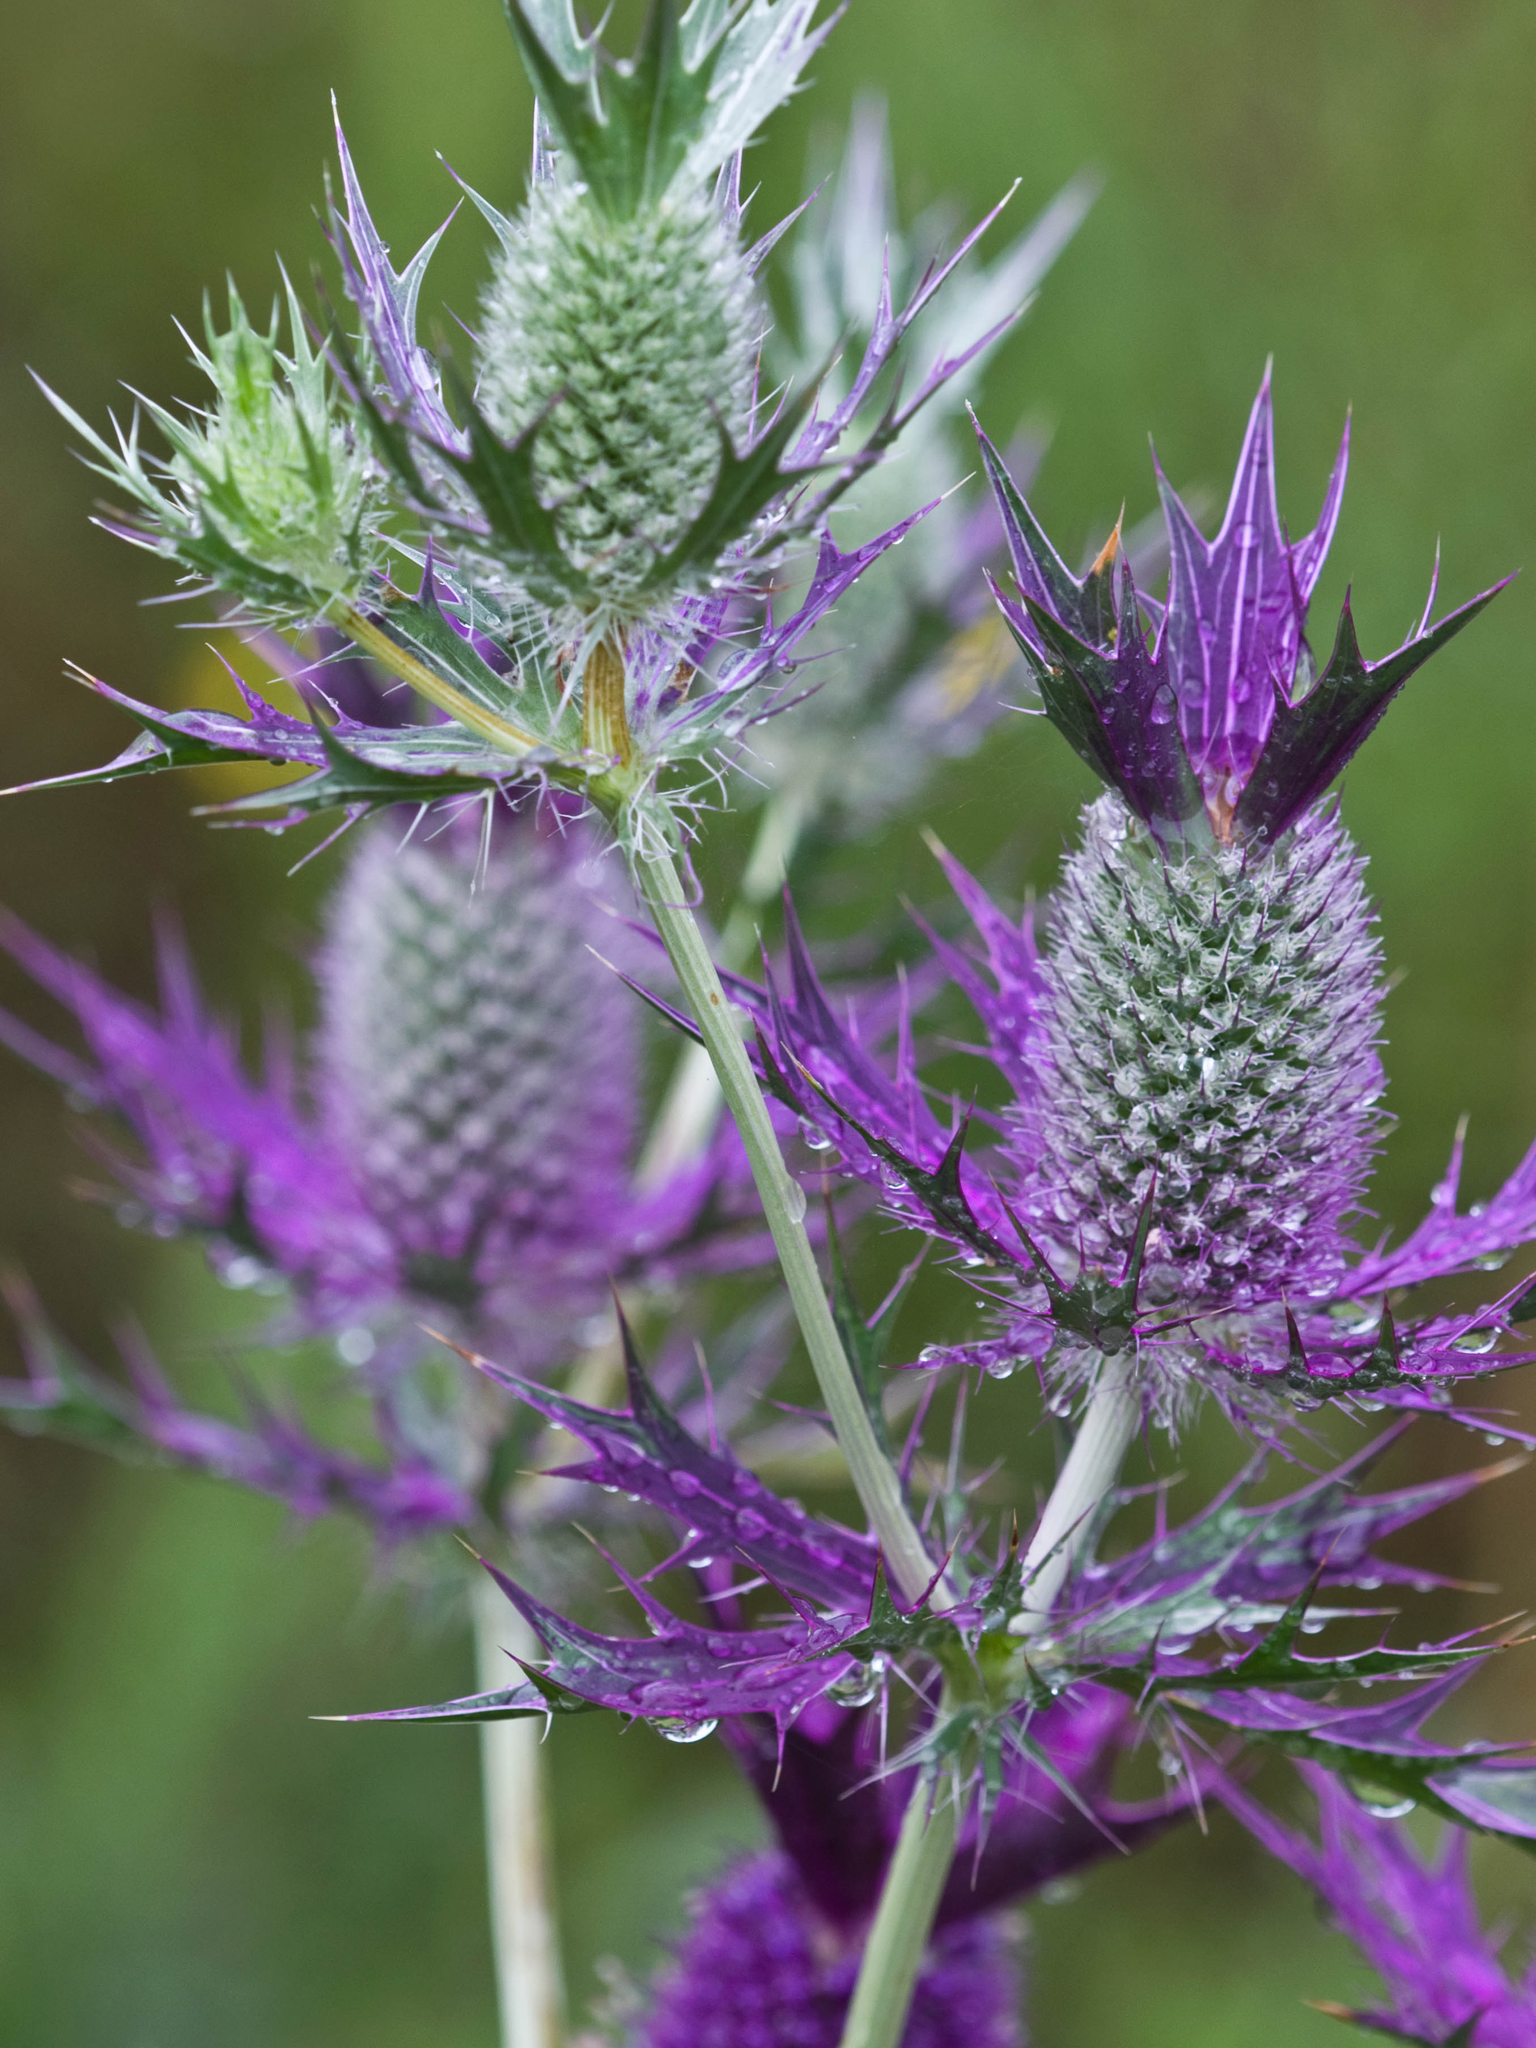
{"points": [[672, 1728]]}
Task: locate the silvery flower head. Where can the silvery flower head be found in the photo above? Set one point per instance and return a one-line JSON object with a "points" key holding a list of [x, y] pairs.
{"points": [[1192, 1053]]}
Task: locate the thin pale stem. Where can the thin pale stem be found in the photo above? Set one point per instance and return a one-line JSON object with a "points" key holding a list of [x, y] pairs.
{"points": [[904, 1919], [1109, 1423], [529, 1988], [783, 1201], [690, 1109]]}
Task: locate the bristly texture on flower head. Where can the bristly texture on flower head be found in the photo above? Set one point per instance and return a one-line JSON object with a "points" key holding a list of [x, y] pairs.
{"points": [[477, 1061], [1192, 1052], [1414, 1921], [269, 495], [629, 343], [1208, 1035], [755, 1969]]}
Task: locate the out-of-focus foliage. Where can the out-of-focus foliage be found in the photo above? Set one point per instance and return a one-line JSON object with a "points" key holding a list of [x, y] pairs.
{"points": [[183, 1856]]}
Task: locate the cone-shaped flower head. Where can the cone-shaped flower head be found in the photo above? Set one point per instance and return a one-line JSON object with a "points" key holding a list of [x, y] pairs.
{"points": [[1209, 1027], [472, 1093], [1211, 988], [621, 322], [269, 494], [477, 1060]]}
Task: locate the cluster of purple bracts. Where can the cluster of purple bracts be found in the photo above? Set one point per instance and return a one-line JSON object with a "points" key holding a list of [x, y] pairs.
{"points": [[1199, 1625]]}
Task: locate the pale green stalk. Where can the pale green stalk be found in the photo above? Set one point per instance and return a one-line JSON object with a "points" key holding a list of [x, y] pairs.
{"points": [[783, 1201], [689, 1110], [893, 1952], [529, 1988], [909, 1898]]}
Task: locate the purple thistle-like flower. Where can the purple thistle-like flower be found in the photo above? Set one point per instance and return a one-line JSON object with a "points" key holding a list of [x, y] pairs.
{"points": [[457, 1150], [473, 1085], [1192, 1051], [759, 1967], [1414, 1921]]}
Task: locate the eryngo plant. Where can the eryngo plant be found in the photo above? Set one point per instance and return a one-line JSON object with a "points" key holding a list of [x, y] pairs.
{"points": [[593, 615], [269, 494]]}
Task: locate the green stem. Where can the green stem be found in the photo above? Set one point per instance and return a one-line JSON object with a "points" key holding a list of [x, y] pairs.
{"points": [[691, 1106], [893, 1952], [783, 1201], [910, 1897]]}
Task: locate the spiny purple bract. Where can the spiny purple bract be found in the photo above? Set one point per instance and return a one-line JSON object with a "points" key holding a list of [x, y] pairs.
{"points": [[1415, 1921], [1215, 722], [760, 1968], [1192, 1051]]}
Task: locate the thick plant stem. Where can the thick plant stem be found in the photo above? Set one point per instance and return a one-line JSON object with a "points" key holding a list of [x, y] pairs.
{"points": [[893, 1952], [1093, 1464], [530, 1993], [910, 1897], [783, 1201]]}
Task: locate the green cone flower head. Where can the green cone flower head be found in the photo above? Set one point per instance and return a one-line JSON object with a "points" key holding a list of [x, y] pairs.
{"points": [[268, 493], [621, 324], [632, 340]]}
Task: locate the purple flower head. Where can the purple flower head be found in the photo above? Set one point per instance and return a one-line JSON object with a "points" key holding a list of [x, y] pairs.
{"points": [[462, 1134], [1206, 714], [759, 1968], [1415, 1921], [1195, 1100], [455, 1150]]}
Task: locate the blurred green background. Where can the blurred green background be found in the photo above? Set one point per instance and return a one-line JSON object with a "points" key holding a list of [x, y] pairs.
{"points": [[184, 1857]]}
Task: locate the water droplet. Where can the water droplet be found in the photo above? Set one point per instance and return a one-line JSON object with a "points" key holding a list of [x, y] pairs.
{"points": [[623, 1452], [672, 1728], [749, 1523], [932, 1354], [1061, 1891], [1496, 1442], [794, 1200], [686, 1484], [1160, 711], [1478, 1341], [1385, 1805], [745, 1481], [355, 1346], [857, 1686]]}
